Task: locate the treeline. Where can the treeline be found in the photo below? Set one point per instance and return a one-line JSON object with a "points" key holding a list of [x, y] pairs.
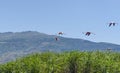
{"points": [[67, 62]]}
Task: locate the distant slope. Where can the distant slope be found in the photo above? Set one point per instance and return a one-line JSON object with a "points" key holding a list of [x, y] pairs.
{"points": [[17, 44]]}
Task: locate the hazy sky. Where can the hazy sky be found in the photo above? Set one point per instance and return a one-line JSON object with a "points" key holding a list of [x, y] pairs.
{"points": [[69, 16]]}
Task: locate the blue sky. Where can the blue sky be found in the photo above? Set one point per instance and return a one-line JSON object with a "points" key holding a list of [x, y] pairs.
{"points": [[69, 16]]}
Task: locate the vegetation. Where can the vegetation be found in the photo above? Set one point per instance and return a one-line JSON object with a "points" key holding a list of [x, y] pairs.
{"points": [[67, 62]]}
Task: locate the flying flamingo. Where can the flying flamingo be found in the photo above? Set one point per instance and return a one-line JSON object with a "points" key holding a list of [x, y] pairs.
{"points": [[56, 38], [112, 24], [88, 33], [60, 33]]}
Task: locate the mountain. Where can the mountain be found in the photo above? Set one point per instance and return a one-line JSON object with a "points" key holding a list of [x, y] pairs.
{"points": [[17, 44]]}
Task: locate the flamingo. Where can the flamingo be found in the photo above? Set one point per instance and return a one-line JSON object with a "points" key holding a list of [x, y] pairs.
{"points": [[88, 33], [56, 38], [112, 23], [60, 33]]}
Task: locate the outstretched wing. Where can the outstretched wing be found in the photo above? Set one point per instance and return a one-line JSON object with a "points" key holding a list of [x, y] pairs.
{"points": [[110, 24]]}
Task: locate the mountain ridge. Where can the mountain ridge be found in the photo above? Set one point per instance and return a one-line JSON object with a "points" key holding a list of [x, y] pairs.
{"points": [[16, 44]]}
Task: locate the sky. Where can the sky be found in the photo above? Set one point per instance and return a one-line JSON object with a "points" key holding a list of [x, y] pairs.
{"points": [[69, 16]]}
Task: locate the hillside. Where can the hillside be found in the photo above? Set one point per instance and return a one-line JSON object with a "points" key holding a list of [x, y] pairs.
{"points": [[16, 44], [67, 62]]}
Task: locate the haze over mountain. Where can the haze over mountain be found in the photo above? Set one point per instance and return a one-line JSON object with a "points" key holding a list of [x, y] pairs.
{"points": [[16, 44]]}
